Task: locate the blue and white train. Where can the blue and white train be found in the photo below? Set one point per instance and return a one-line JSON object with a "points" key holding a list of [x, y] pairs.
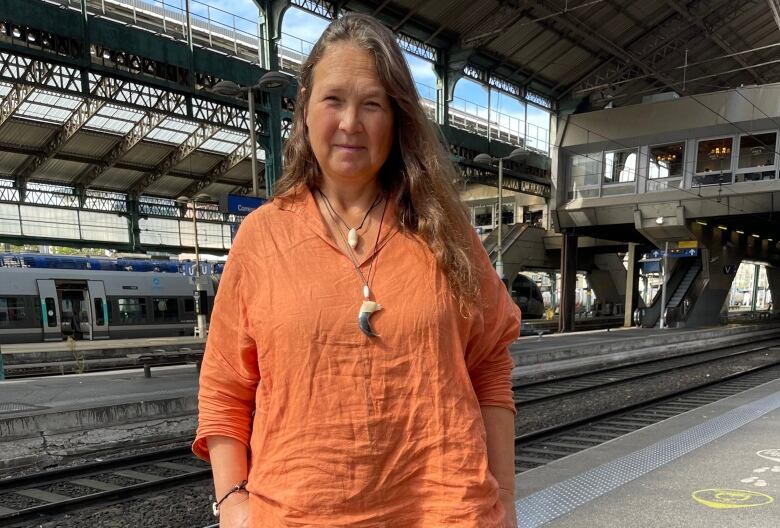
{"points": [[48, 297]]}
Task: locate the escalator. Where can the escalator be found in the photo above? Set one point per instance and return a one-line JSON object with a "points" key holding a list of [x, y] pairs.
{"points": [[683, 277], [510, 235]]}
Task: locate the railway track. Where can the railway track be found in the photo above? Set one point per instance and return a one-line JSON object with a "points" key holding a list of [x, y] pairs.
{"points": [[39, 495], [570, 385], [540, 447]]}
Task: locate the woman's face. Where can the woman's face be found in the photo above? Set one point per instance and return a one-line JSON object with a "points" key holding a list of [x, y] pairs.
{"points": [[349, 115]]}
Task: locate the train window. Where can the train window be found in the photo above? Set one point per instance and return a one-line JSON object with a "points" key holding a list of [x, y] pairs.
{"points": [[132, 310], [11, 309], [100, 318], [189, 305], [166, 309], [51, 311]]}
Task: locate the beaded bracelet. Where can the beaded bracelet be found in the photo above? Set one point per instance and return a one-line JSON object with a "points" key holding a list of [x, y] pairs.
{"points": [[238, 487]]}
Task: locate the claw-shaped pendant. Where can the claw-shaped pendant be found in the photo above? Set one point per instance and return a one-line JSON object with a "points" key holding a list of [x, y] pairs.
{"points": [[366, 309]]}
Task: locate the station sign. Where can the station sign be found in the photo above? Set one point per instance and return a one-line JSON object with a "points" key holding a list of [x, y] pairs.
{"points": [[657, 254], [240, 205]]}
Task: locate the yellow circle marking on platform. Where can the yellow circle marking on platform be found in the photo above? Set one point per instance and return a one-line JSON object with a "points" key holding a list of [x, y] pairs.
{"points": [[770, 454], [723, 499]]}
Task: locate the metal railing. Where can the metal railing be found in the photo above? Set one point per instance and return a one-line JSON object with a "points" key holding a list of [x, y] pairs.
{"points": [[211, 26]]}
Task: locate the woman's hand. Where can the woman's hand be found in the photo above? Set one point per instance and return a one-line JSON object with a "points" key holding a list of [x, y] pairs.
{"points": [[508, 500], [234, 511]]}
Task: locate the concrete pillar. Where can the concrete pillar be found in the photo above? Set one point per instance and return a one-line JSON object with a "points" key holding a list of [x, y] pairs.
{"points": [[720, 262], [632, 283], [568, 282], [773, 276], [608, 280]]}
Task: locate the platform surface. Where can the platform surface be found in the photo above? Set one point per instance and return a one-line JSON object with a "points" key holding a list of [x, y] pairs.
{"points": [[79, 391], [588, 337], [716, 466], [99, 344]]}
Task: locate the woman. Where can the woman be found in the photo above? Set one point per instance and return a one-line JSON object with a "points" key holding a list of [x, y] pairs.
{"points": [[357, 371]]}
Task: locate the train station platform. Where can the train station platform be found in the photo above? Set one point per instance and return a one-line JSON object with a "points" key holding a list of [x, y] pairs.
{"points": [[59, 357], [43, 420], [557, 355], [718, 465]]}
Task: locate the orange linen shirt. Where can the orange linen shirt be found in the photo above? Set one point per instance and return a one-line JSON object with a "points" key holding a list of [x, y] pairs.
{"points": [[343, 429]]}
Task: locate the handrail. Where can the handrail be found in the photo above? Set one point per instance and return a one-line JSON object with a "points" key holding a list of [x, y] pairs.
{"points": [[651, 314], [680, 313]]}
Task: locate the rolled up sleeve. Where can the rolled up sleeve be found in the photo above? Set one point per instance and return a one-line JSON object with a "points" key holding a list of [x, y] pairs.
{"points": [[229, 374], [495, 324]]}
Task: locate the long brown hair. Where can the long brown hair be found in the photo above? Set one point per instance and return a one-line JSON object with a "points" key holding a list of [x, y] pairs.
{"points": [[418, 171]]}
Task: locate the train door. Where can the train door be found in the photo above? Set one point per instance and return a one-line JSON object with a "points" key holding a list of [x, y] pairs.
{"points": [[50, 310], [98, 309]]}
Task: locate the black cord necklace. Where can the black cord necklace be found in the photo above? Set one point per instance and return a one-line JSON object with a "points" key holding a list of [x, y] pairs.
{"points": [[368, 306], [352, 232]]}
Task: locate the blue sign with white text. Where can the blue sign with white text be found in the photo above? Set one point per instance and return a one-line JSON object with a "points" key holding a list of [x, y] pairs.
{"points": [[242, 205]]}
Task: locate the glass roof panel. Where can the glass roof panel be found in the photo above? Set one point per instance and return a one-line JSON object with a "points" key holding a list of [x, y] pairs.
{"points": [[224, 142], [5, 89], [42, 105], [48, 106], [173, 131], [114, 119]]}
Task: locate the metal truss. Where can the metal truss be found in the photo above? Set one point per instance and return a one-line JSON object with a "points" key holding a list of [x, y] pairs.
{"points": [[226, 116], [18, 69], [234, 158], [713, 36], [287, 126], [104, 201], [483, 176], [150, 120], [201, 134], [654, 47], [50, 195], [603, 43], [13, 100], [505, 86], [104, 87], [478, 74], [8, 193], [318, 7], [162, 207], [417, 47], [513, 174]]}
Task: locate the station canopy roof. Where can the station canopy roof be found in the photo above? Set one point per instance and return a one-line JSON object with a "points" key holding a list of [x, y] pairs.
{"points": [[567, 51], [606, 50]]}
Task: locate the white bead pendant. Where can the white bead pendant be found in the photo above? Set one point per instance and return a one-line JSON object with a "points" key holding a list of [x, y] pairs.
{"points": [[352, 238]]}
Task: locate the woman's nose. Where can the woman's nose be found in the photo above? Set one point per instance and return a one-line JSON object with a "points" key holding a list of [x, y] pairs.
{"points": [[350, 119]]}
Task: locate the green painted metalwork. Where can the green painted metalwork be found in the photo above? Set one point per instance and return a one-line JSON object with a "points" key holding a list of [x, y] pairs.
{"points": [[272, 11], [42, 16]]}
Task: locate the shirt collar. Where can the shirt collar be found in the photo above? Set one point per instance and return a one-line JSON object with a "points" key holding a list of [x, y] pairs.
{"points": [[302, 203]]}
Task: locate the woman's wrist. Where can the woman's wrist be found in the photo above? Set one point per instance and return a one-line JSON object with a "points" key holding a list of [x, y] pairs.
{"points": [[235, 498]]}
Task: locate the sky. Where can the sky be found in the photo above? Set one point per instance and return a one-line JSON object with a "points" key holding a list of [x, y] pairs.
{"points": [[300, 29]]}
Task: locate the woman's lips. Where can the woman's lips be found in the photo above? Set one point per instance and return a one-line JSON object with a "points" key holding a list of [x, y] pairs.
{"points": [[351, 148]]}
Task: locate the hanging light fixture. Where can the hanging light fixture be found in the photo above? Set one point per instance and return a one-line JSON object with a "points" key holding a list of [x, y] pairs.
{"points": [[666, 157], [722, 152], [758, 150]]}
